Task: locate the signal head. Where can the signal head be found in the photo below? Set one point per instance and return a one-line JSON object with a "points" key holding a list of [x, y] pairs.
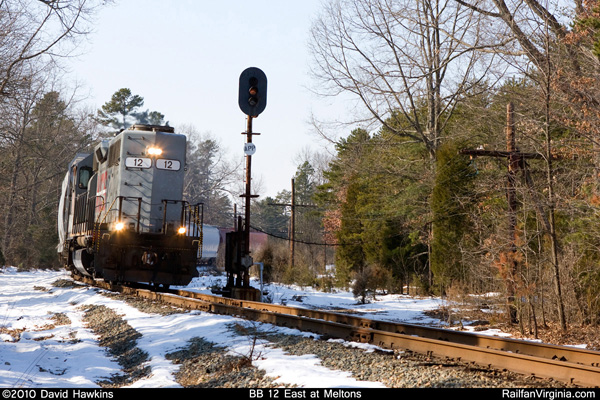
{"points": [[252, 97]]}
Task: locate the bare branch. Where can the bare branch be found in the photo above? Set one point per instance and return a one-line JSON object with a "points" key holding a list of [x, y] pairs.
{"points": [[38, 30], [415, 59]]}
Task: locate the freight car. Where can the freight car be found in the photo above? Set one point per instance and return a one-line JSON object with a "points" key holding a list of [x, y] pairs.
{"points": [[122, 217]]}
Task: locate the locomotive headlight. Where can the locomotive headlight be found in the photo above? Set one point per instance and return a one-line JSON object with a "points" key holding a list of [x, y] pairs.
{"points": [[119, 226], [154, 151], [181, 230]]}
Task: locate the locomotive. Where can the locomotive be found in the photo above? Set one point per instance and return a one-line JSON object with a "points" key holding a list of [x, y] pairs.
{"points": [[122, 216]]}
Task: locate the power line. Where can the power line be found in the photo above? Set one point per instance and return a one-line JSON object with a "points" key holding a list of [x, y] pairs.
{"points": [[295, 240]]}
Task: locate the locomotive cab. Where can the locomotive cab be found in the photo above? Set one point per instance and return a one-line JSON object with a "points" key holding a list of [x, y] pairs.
{"points": [[126, 220]]}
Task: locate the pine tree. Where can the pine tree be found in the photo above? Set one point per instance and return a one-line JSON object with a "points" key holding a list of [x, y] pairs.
{"points": [[47, 138], [150, 118], [122, 104], [270, 214], [450, 202]]}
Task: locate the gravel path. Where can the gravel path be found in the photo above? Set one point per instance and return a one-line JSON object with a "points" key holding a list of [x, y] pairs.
{"points": [[204, 365]]}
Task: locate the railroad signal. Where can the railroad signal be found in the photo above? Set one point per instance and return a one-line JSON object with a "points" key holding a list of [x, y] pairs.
{"points": [[252, 97]]}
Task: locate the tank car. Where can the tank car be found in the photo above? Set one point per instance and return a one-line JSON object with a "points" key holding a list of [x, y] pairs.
{"points": [[122, 216]]}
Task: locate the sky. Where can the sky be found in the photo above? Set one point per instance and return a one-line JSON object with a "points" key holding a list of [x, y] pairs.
{"points": [[185, 57]]}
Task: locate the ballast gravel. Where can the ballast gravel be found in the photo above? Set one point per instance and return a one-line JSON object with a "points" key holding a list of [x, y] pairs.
{"points": [[205, 365], [403, 369]]}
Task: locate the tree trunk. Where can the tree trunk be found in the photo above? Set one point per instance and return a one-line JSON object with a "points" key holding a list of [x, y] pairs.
{"points": [[11, 200]]}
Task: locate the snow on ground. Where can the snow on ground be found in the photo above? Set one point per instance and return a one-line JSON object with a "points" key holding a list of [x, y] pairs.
{"points": [[60, 356]]}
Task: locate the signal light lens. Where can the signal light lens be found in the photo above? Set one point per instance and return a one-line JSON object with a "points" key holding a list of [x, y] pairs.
{"points": [[154, 151], [181, 230], [253, 100], [119, 226]]}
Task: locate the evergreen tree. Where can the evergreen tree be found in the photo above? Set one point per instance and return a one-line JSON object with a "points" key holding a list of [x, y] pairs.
{"points": [[339, 198], [451, 199], [122, 104], [121, 111], [150, 118], [307, 217], [304, 183], [376, 205], [33, 165], [271, 215], [350, 256]]}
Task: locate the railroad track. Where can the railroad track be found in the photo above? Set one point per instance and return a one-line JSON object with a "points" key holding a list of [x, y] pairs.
{"points": [[565, 364]]}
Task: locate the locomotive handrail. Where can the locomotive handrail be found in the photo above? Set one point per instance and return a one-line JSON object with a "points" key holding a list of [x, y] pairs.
{"points": [[106, 214], [79, 214], [83, 215], [98, 224], [165, 204], [191, 217], [201, 225], [92, 205], [127, 198]]}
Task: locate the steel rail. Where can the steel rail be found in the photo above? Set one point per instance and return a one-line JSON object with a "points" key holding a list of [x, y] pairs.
{"points": [[366, 331], [549, 351]]}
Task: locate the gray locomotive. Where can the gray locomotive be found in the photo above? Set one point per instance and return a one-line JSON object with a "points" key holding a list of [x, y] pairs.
{"points": [[122, 216]]}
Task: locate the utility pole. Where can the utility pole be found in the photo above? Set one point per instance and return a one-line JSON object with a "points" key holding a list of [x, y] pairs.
{"points": [[292, 232], [293, 224], [516, 161], [513, 166]]}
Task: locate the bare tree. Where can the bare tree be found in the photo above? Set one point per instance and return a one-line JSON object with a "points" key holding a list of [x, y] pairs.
{"points": [[40, 132], [532, 24], [210, 176], [540, 37], [528, 21], [34, 35], [31, 30], [412, 58], [565, 71]]}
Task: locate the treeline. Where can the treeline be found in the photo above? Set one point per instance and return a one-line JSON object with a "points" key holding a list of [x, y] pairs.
{"points": [[43, 125], [429, 192], [40, 127], [424, 192]]}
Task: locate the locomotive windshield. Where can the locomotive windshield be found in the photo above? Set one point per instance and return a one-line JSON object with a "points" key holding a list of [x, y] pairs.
{"points": [[85, 173]]}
